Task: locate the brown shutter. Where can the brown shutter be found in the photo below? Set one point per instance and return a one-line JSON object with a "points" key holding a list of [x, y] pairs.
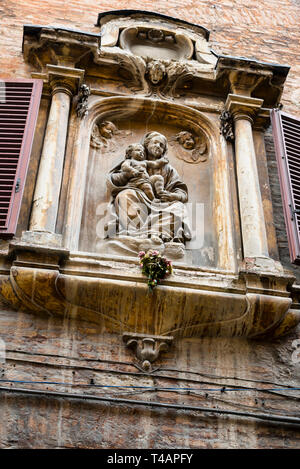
{"points": [[286, 132], [19, 105]]}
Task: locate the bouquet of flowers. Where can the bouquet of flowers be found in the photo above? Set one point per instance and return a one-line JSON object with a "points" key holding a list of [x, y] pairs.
{"points": [[155, 266]]}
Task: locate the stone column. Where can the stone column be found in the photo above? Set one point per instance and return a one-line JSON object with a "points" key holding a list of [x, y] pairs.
{"points": [[243, 109], [63, 83]]}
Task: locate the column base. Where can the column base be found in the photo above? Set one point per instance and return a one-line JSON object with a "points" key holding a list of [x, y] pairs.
{"points": [[42, 238]]}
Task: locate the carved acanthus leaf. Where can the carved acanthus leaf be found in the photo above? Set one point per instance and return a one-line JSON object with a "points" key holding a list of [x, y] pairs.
{"points": [[136, 66]]}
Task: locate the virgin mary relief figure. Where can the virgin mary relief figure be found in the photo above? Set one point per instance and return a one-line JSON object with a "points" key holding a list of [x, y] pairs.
{"points": [[147, 200]]}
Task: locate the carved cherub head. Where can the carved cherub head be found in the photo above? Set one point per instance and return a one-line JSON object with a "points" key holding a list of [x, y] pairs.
{"points": [[156, 71], [186, 139], [107, 129], [135, 151]]}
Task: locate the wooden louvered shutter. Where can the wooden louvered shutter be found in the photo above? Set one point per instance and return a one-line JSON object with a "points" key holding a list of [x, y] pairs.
{"points": [[19, 105], [286, 132]]}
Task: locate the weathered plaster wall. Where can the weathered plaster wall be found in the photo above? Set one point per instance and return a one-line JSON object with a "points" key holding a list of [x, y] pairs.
{"points": [[48, 349]]}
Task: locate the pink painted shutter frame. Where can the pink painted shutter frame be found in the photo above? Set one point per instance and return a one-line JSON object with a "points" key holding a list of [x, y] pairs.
{"points": [[286, 133], [19, 106]]}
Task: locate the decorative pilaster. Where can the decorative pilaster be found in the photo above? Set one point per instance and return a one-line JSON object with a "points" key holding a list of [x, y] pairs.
{"points": [[64, 82], [243, 109]]}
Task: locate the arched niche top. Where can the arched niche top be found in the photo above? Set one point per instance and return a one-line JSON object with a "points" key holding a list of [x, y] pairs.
{"points": [[133, 117]]}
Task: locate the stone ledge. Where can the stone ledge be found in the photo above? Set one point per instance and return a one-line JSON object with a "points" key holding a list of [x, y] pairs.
{"points": [[128, 306]]}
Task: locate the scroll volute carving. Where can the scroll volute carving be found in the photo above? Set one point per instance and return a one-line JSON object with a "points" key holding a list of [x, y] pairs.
{"points": [[156, 43]]}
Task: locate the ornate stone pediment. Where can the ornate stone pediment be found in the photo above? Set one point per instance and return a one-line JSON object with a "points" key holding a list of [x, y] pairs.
{"points": [[149, 53]]}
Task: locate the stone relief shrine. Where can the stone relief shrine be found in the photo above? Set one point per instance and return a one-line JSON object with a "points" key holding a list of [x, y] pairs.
{"points": [[148, 139]]}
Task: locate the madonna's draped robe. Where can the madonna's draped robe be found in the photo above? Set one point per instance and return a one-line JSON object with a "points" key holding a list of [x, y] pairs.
{"points": [[132, 213]]}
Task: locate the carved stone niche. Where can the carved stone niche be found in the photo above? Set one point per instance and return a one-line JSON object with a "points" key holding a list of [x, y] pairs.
{"points": [[115, 125]]}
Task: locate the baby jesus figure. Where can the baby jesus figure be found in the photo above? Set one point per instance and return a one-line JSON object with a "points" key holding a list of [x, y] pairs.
{"points": [[134, 171]]}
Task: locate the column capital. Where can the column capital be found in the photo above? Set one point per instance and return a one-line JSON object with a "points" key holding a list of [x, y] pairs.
{"points": [[243, 107], [64, 79]]}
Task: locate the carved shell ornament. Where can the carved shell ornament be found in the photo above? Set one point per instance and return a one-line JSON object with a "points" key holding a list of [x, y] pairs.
{"points": [[226, 126], [102, 132], [192, 149]]}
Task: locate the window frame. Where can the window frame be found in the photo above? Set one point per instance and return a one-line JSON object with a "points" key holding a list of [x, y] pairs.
{"points": [[292, 219]]}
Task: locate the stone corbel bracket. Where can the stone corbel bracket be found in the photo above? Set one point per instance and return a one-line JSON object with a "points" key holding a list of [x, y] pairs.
{"points": [[147, 347]]}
